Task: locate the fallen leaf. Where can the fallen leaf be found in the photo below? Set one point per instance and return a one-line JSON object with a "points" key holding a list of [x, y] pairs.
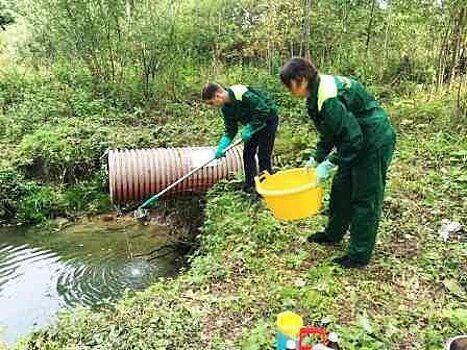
{"points": [[300, 282], [453, 287], [364, 322]]}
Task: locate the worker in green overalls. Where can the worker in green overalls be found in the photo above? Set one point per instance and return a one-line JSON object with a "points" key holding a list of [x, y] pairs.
{"points": [[258, 114], [352, 122]]}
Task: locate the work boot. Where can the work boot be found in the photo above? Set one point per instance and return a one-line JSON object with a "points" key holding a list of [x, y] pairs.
{"points": [[320, 238], [347, 262], [251, 193], [248, 189]]}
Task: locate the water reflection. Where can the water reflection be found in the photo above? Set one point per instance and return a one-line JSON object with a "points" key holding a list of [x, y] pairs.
{"points": [[87, 264]]}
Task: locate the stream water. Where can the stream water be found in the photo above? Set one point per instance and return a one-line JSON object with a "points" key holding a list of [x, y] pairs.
{"points": [[92, 263]]}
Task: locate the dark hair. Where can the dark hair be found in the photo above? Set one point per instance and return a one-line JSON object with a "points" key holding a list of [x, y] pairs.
{"points": [[209, 90], [297, 68]]}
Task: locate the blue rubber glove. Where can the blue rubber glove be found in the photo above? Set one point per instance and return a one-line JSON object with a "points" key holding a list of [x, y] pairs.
{"points": [[247, 133], [323, 170], [311, 163], [224, 143]]}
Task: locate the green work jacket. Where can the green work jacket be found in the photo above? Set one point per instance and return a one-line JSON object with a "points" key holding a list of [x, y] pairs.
{"points": [[348, 118], [247, 106]]}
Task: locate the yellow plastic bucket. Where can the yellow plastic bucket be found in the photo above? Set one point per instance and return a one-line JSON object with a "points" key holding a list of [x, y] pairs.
{"points": [[290, 194], [289, 324]]}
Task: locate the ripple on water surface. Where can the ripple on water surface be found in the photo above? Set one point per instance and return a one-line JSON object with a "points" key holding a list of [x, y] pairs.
{"points": [[85, 264]]}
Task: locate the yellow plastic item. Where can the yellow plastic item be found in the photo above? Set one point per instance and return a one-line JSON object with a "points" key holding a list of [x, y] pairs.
{"points": [[289, 323], [290, 194]]}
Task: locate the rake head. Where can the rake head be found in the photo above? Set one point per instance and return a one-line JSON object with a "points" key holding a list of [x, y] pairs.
{"points": [[140, 213]]}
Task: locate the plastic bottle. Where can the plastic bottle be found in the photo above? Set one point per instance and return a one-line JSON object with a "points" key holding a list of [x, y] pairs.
{"points": [[333, 341], [291, 345]]}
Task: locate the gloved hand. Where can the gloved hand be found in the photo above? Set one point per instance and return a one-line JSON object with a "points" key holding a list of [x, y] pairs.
{"points": [[247, 133], [310, 163], [224, 143], [323, 170]]}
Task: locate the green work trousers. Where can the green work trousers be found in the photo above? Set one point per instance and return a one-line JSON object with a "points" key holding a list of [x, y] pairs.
{"points": [[356, 201]]}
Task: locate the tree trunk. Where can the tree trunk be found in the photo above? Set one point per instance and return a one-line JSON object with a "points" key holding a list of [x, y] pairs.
{"points": [[442, 55], [387, 35], [370, 24], [271, 36], [457, 45], [340, 51], [129, 10], [452, 45], [308, 4]]}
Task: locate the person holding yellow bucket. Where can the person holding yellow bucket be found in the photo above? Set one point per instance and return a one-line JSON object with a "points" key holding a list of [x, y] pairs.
{"points": [[349, 119]]}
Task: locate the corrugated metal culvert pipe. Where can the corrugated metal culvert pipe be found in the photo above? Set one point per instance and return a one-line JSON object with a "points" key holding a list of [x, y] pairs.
{"points": [[135, 175]]}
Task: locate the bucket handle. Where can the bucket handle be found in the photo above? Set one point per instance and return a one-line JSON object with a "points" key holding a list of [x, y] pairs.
{"points": [[263, 175]]}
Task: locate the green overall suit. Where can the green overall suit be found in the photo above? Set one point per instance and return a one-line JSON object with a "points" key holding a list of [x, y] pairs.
{"points": [[350, 120], [253, 109]]}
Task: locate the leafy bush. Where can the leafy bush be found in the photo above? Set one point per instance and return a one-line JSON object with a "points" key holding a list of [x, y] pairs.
{"points": [[62, 153], [12, 189], [41, 203]]}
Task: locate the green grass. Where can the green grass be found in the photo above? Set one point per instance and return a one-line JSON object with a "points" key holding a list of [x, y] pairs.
{"points": [[57, 119], [249, 266]]}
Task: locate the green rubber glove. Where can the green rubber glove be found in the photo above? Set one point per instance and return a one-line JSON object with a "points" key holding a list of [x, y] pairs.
{"points": [[323, 170], [224, 143], [247, 133]]}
